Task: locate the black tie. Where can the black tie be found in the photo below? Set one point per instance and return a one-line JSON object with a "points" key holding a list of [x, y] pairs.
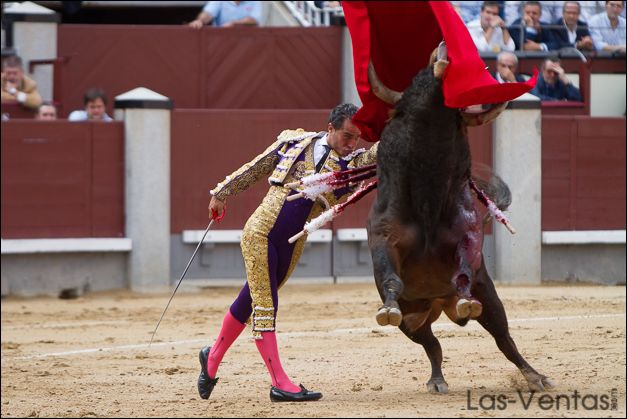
{"points": [[327, 150]]}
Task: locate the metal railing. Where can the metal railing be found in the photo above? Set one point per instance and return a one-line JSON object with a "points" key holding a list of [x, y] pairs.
{"points": [[308, 14]]}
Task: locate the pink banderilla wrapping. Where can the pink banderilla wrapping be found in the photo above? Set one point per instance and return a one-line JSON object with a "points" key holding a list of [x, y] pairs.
{"points": [[334, 211], [492, 208]]}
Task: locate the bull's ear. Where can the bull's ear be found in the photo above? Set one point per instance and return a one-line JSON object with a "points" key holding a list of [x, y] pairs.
{"points": [[475, 119]]}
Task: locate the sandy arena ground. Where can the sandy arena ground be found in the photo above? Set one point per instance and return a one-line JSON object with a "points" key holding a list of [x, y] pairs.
{"points": [[88, 357]]}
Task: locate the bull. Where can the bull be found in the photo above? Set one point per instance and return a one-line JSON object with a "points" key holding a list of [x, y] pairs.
{"points": [[425, 233]]}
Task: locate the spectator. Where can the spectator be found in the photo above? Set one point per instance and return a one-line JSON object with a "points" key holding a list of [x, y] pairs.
{"points": [[46, 112], [95, 101], [570, 31], [16, 86], [228, 13], [554, 85], [536, 35], [551, 10], [507, 67], [489, 32], [608, 28], [327, 4]]}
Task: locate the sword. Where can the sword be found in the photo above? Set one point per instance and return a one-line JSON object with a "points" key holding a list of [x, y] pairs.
{"points": [[181, 280]]}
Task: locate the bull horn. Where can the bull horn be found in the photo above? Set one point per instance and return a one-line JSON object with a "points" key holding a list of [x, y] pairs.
{"points": [[380, 90], [439, 59], [475, 119]]}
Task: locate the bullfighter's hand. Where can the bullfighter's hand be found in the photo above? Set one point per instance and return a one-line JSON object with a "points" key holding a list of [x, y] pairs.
{"points": [[216, 207]]}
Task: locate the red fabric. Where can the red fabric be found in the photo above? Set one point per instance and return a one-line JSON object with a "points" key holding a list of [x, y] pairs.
{"points": [[399, 37]]}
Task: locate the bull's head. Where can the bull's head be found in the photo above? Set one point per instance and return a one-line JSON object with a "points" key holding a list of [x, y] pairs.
{"points": [[439, 60]]}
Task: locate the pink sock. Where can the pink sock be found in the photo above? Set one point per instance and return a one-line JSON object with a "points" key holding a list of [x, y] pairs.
{"points": [[267, 347], [231, 329]]}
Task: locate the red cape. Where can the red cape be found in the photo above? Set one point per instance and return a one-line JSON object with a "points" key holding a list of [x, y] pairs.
{"points": [[399, 37]]}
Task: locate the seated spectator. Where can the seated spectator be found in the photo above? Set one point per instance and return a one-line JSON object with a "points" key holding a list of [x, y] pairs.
{"points": [[228, 13], [95, 101], [535, 34], [489, 31], [608, 28], [553, 84], [507, 67], [46, 112], [572, 32], [16, 86]]}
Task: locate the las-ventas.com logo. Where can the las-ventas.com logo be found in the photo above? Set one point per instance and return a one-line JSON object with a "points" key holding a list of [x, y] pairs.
{"points": [[572, 401]]}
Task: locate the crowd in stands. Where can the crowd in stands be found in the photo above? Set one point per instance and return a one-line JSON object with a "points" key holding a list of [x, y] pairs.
{"points": [[19, 89], [495, 26], [545, 25]]}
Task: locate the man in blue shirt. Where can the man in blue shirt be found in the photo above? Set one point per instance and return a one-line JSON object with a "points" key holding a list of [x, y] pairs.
{"points": [[608, 28], [229, 13], [554, 85]]}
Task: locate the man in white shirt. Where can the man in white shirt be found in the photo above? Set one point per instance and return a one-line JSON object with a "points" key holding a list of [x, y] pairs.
{"points": [[489, 32], [507, 68], [608, 28], [95, 101]]}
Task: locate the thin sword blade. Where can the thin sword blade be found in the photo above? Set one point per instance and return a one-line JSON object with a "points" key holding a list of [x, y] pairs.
{"points": [[181, 280]]}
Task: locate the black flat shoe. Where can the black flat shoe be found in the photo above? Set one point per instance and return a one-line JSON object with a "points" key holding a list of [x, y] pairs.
{"points": [[304, 395], [205, 383]]}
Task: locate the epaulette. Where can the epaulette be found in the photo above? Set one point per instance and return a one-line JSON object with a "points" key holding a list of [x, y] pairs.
{"points": [[294, 135]]}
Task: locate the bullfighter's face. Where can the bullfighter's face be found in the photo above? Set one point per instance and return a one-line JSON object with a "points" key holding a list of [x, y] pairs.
{"points": [[344, 139]]}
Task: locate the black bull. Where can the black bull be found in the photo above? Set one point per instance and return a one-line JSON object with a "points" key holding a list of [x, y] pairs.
{"points": [[424, 232]]}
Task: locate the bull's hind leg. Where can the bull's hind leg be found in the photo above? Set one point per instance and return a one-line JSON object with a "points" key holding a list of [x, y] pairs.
{"points": [[389, 285], [424, 336], [494, 320]]}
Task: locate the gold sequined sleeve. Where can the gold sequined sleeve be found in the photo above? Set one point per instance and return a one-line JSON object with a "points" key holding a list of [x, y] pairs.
{"points": [[366, 158], [251, 172]]}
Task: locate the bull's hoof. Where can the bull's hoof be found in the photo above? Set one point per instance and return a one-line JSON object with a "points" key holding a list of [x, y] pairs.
{"points": [[468, 308], [389, 316], [539, 382], [437, 386]]}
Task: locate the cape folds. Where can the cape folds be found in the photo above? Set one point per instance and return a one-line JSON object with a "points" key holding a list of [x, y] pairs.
{"points": [[399, 36]]}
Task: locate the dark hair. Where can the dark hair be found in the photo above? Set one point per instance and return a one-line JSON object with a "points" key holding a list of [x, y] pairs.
{"points": [[12, 61], [46, 103], [340, 113], [490, 4], [93, 94], [552, 58], [533, 3]]}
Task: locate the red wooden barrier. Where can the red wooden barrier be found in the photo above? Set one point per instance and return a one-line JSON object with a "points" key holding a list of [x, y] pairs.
{"points": [[245, 68], [62, 179], [208, 145], [583, 173]]}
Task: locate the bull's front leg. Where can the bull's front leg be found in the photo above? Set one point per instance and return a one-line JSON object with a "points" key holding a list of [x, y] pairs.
{"points": [[468, 256], [390, 286]]}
